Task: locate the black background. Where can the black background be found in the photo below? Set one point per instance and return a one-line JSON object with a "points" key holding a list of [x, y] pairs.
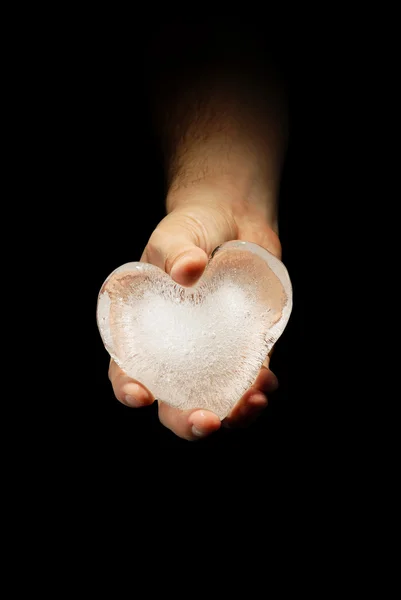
{"points": [[95, 194], [118, 199]]}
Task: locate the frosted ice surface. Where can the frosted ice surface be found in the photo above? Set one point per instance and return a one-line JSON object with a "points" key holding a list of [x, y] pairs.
{"points": [[200, 346]]}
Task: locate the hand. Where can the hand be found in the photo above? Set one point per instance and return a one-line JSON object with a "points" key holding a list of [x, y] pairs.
{"points": [[181, 245]]}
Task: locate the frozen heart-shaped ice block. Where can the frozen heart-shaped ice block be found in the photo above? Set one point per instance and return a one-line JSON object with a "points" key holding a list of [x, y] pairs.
{"points": [[200, 346]]}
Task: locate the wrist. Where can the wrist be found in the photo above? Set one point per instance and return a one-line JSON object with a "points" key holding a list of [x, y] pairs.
{"points": [[241, 196]]}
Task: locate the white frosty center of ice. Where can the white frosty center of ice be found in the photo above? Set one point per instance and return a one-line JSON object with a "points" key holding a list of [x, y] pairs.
{"points": [[179, 329], [192, 349]]}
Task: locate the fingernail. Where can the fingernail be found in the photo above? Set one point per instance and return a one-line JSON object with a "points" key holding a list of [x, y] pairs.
{"points": [[131, 401], [197, 432]]}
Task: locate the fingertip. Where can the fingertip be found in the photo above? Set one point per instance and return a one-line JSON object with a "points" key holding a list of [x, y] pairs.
{"points": [[257, 401], [189, 267], [266, 381], [247, 410], [136, 395], [254, 403], [271, 384], [203, 423]]}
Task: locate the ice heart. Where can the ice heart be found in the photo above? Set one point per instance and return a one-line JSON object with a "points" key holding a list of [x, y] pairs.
{"points": [[200, 346]]}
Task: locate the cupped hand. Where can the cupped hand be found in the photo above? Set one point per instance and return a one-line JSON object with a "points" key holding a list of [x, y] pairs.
{"points": [[181, 245]]}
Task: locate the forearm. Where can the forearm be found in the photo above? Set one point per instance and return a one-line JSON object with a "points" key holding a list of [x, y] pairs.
{"points": [[222, 121]]}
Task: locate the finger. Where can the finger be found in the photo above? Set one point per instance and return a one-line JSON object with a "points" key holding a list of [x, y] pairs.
{"points": [[254, 401], [188, 424], [189, 266], [247, 410], [182, 242], [266, 380], [127, 390]]}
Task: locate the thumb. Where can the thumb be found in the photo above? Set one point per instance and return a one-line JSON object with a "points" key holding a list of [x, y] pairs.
{"points": [[183, 241]]}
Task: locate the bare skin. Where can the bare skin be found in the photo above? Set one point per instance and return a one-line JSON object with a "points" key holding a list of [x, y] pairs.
{"points": [[224, 140]]}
